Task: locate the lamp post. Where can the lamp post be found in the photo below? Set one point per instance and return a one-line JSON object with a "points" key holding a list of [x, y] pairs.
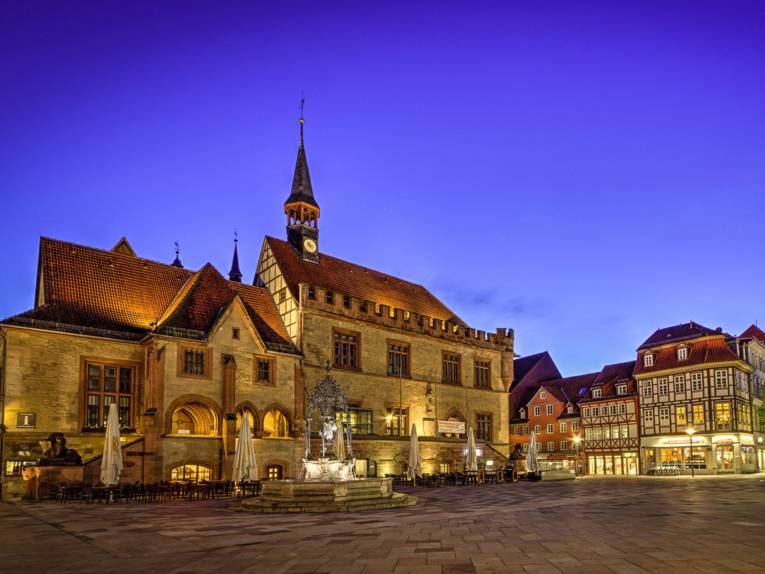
{"points": [[577, 440], [691, 431]]}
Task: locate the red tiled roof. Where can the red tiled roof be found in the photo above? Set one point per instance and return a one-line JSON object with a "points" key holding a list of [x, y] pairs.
{"points": [[705, 350], [615, 372], [753, 332], [676, 333], [357, 281], [84, 287], [566, 390]]}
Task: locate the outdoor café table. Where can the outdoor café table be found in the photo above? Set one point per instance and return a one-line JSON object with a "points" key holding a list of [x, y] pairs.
{"points": [[490, 477]]}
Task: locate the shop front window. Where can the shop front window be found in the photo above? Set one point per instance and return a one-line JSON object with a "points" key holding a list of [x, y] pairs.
{"points": [[747, 455], [725, 457], [191, 472]]}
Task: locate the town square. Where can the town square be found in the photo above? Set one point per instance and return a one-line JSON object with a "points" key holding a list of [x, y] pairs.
{"points": [[417, 287]]}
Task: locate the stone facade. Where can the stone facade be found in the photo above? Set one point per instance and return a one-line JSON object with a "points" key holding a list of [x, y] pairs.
{"points": [[44, 376]]}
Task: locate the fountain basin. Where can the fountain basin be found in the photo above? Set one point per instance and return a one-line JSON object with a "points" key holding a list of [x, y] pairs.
{"points": [[327, 496]]}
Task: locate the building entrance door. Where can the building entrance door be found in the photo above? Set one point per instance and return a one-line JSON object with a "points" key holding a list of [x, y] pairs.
{"points": [[725, 458], [632, 465]]}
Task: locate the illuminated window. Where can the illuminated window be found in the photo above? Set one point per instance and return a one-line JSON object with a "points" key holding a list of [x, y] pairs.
{"points": [[360, 420], [681, 418], [191, 472], [397, 422], [274, 472], [398, 359], [194, 418], [275, 424], [451, 369], [722, 416], [698, 414], [106, 384]]}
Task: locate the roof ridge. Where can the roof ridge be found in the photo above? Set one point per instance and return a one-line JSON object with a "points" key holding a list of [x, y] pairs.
{"points": [[112, 253]]}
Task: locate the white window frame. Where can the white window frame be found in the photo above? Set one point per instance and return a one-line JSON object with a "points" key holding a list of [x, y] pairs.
{"points": [[563, 446], [663, 383], [551, 446], [647, 389], [621, 389], [574, 426], [537, 410], [538, 429], [542, 395], [648, 360], [721, 378], [596, 393], [562, 427], [682, 353], [549, 409], [664, 414], [550, 428]]}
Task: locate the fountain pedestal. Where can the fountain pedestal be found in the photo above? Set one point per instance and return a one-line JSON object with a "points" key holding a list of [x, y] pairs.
{"points": [[327, 496]]}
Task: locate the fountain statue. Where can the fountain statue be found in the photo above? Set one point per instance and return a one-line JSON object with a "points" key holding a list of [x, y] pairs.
{"points": [[328, 482], [335, 462]]}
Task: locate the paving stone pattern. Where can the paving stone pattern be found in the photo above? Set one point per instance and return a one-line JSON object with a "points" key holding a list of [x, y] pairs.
{"points": [[590, 525]]}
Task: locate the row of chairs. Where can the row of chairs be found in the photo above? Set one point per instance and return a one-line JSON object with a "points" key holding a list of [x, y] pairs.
{"points": [[155, 492]]}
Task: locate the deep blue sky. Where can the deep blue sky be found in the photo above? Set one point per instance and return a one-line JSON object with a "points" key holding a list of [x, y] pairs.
{"points": [[581, 172]]}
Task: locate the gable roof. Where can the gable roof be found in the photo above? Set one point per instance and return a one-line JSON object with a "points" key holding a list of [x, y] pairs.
{"points": [[615, 372], [753, 332], [706, 350], [84, 289], [528, 374], [677, 333], [357, 281]]}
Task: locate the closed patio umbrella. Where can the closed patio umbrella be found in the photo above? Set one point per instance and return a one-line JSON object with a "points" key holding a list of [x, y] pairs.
{"points": [[532, 465], [245, 465], [111, 461], [471, 461], [414, 469]]}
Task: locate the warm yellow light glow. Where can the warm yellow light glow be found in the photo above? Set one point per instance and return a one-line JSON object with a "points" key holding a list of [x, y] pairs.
{"points": [[691, 431], [577, 439]]}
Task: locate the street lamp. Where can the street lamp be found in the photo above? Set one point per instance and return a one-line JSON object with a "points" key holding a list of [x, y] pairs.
{"points": [[691, 431], [577, 440]]}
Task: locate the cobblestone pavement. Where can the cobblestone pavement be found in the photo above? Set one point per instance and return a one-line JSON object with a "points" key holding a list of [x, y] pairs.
{"points": [[589, 525]]}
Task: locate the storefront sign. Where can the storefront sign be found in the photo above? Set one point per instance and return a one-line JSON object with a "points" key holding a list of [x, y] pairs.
{"points": [[747, 439], [725, 439], [681, 441], [451, 427]]}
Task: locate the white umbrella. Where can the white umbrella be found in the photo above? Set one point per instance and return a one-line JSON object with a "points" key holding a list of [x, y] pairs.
{"points": [[111, 461], [414, 469], [340, 452], [471, 462], [245, 465], [531, 458]]}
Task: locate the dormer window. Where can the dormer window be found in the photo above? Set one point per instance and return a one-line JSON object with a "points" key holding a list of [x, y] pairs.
{"points": [[648, 360], [621, 389], [570, 409], [596, 393], [682, 353], [523, 413]]}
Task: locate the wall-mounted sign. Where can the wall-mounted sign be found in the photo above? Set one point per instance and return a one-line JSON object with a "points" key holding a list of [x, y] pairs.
{"points": [[451, 427], [682, 441], [26, 420], [747, 439]]}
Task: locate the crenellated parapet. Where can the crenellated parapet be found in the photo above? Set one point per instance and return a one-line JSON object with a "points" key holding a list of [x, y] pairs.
{"points": [[381, 314]]}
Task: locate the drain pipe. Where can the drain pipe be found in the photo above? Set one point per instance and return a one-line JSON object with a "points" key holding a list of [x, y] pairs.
{"points": [[4, 343]]}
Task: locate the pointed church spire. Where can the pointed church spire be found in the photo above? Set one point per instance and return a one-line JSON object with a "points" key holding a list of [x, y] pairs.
{"points": [[302, 190], [177, 262], [235, 274]]}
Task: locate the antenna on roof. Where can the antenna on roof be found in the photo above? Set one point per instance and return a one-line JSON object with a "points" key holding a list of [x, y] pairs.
{"points": [[302, 119]]}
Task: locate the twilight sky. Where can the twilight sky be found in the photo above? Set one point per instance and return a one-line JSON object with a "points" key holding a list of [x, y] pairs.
{"points": [[581, 172]]}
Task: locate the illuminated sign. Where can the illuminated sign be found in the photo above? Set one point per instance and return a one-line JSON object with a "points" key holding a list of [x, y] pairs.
{"points": [[682, 441]]}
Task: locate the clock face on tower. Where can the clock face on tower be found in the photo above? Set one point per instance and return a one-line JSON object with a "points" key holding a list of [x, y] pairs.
{"points": [[309, 245]]}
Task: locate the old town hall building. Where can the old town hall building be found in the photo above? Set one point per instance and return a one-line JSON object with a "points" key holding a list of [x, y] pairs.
{"points": [[186, 355]]}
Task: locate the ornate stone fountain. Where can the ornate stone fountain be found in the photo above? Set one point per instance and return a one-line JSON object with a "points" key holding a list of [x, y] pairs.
{"points": [[328, 482]]}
